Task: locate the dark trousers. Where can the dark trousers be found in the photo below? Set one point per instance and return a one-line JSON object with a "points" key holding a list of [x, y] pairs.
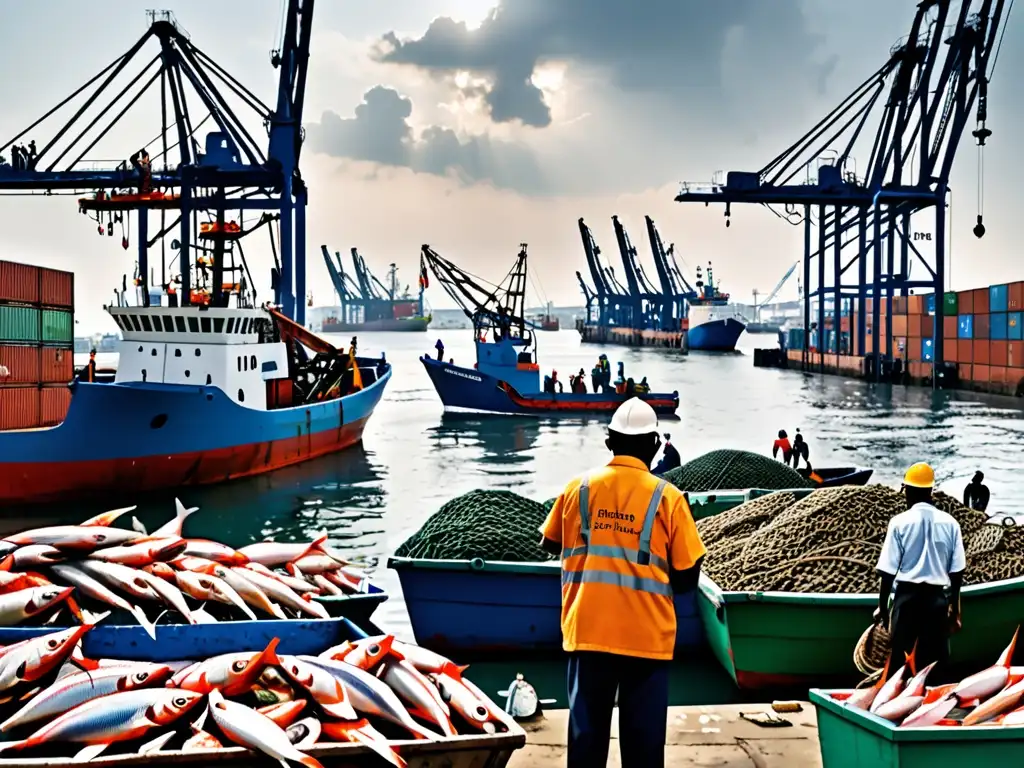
{"points": [[920, 617], [642, 685]]}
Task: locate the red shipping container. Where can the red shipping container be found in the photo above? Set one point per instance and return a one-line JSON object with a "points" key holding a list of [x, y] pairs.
{"points": [[981, 352], [965, 351], [965, 302], [57, 365], [899, 347], [927, 326], [982, 326], [965, 371], [997, 374], [1014, 380], [56, 288], [999, 353], [915, 305], [1015, 354], [914, 349], [19, 407], [899, 305], [915, 327], [19, 282], [21, 362], [949, 330], [899, 325], [950, 351], [53, 404], [980, 374], [1015, 296], [981, 301]]}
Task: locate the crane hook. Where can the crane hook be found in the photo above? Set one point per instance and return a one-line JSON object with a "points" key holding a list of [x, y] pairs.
{"points": [[979, 228]]}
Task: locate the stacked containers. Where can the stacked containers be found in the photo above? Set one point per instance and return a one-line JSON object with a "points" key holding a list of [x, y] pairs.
{"points": [[36, 345]]}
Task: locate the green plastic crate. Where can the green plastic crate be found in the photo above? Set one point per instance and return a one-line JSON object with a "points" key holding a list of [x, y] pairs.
{"points": [[949, 304], [58, 326], [19, 324], [852, 738]]}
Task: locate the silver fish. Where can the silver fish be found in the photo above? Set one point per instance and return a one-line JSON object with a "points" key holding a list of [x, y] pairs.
{"points": [[282, 594], [202, 586], [419, 694], [91, 587], [250, 729]]}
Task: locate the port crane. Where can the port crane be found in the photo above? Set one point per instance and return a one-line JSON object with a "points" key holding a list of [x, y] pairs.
{"points": [[198, 179], [910, 115], [612, 300], [365, 298], [774, 292], [674, 286]]}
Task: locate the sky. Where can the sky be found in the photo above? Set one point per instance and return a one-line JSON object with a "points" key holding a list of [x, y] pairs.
{"points": [[476, 125]]}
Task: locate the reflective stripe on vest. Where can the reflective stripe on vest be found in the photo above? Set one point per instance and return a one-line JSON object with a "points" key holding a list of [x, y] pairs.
{"points": [[642, 555]]}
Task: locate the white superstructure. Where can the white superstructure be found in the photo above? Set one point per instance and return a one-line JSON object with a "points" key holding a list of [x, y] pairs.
{"points": [[710, 313]]}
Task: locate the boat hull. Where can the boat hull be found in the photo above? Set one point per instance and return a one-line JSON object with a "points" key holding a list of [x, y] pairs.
{"points": [[836, 476], [413, 324], [124, 439], [469, 389], [463, 607], [715, 335]]}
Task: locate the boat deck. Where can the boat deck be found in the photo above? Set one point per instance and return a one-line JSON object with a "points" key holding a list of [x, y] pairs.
{"points": [[697, 737]]}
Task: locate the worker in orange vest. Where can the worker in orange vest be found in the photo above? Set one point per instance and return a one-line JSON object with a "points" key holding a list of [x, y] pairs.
{"points": [[627, 543]]}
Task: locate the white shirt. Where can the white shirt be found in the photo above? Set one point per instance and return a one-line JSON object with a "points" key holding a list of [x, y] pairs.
{"points": [[923, 546]]}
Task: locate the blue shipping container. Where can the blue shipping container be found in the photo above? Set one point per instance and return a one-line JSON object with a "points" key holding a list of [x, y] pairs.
{"points": [[997, 326], [929, 304], [998, 298], [1014, 328], [928, 350], [965, 327]]}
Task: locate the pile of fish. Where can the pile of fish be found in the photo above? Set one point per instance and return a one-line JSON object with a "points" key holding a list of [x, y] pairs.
{"points": [[373, 692], [994, 696], [46, 570]]}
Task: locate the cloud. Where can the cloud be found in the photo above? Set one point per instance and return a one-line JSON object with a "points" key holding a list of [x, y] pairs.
{"points": [[380, 132]]}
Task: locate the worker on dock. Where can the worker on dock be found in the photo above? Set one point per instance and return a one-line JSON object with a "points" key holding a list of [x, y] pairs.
{"points": [[439, 346], [140, 162], [670, 458], [782, 444], [628, 543], [976, 493], [922, 555], [800, 451]]}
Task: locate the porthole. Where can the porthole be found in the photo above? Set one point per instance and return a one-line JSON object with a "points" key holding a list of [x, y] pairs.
{"points": [[209, 379], [198, 352], [158, 421], [241, 396], [152, 352], [140, 349], [252, 362], [177, 353], [187, 373]]}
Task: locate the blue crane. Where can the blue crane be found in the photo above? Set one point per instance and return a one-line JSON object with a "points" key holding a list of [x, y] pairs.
{"points": [[918, 104], [226, 170], [347, 291], [674, 287], [613, 302]]}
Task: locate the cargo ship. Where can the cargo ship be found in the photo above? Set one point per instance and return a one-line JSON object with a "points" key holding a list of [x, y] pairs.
{"points": [[202, 395], [368, 305], [715, 324]]}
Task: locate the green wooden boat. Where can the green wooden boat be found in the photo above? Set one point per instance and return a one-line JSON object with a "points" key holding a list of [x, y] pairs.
{"points": [[788, 639]]}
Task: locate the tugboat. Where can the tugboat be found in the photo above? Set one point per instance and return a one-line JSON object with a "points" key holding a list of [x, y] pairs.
{"points": [[506, 378], [715, 325]]}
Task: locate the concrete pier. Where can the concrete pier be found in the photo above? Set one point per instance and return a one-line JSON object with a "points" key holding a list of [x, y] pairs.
{"points": [[698, 737]]}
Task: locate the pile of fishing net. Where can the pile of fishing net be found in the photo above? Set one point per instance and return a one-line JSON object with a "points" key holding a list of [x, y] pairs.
{"points": [[727, 469], [492, 525]]}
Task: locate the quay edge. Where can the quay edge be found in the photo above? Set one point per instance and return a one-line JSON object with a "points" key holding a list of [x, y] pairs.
{"points": [[632, 337]]}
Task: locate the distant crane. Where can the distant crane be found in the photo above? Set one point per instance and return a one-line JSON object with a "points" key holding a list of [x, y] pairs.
{"points": [[774, 291]]}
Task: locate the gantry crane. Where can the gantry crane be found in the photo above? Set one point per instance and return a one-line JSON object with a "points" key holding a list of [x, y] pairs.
{"points": [[910, 114], [226, 170]]}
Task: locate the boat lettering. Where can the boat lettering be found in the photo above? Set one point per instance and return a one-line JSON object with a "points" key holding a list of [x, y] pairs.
{"points": [[463, 375]]}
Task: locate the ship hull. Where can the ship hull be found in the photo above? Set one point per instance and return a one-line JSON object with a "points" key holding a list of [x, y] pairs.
{"points": [[124, 439], [414, 324], [470, 390], [715, 335]]}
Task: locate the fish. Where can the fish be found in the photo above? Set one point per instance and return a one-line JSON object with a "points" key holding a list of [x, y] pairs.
{"points": [[232, 673], [11, 581], [426, 660], [365, 653], [6, 548], [161, 570], [142, 553], [294, 583], [305, 733], [908, 700], [326, 585], [421, 696], [31, 556], [192, 563], [94, 589], [109, 719], [989, 681], [169, 594], [175, 526], [246, 589], [70, 691], [282, 594], [1016, 717], [361, 732], [1006, 700], [15, 607], [120, 577], [284, 713], [213, 550], [155, 745], [327, 690], [372, 697], [74, 538], [108, 518], [313, 563], [250, 729], [894, 685], [343, 580], [274, 553], [470, 705], [39, 656], [929, 714], [202, 586]]}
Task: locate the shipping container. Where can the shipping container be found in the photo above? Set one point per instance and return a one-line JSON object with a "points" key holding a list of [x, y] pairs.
{"points": [[899, 347], [19, 407], [56, 288], [1015, 326], [980, 302], [1015, 354], [58, 326], [965, 371], [949, 327], [899, 305], [899, 325], [19, 283], [915, 305], [915, 349], [20, 363], [927, 326], [929, 304], [965, 302], [965, 327], [19, 324], [951, 350], [982, 350], [997, 374], [950, 304], [56, 365], [982, 326], [53, 404], [998, 326], [1016, 296], [915, 326], [998, 298], [999, 353], [965, 351], [928, 350], [980, 374]]}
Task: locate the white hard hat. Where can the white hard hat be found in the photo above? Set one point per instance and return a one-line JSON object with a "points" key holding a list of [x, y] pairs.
{"points": [[634, 417]]}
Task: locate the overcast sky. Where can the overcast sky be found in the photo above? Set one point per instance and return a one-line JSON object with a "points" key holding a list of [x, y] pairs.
{"points": [[474, 126]]}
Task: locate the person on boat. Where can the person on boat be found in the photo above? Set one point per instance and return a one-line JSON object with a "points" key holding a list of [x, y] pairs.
{"points": [[800, 451], [643, 387], [628, 543], [630, 388], [976, 493], [578, 384], [922, 556], [596, 379], [90, 369], [439, 346], [620, 379], [782, 444], [670, 458], [551, 382]]}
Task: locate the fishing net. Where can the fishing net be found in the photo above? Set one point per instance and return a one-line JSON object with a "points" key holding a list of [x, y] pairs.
{"points": [[727, 469], [491, 525]]}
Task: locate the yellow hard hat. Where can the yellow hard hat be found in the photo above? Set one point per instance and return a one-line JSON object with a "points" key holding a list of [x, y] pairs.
{"points": [[920, 475]]}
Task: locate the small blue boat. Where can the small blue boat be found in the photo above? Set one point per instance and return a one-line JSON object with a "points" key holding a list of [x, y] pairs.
{"points": [[462, 607]]}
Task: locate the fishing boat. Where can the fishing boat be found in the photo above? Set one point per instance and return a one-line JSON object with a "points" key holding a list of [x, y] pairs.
{"points": [[835, 476], [202, 394], [715, 324], [506, 377]]}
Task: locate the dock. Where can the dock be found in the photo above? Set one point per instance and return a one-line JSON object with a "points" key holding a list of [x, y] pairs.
{"points": [[697, 737]]}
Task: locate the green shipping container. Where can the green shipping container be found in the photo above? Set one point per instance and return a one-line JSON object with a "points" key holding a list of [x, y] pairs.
{"points": [[58, 326], [949, 304], [20, 324]]}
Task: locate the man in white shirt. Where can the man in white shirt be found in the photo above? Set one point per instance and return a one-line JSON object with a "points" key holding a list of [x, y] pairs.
{"points": [[923, 556]]}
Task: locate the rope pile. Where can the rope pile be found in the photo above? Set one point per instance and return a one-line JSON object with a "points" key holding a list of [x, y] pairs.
{"points": [[726, 469]]}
